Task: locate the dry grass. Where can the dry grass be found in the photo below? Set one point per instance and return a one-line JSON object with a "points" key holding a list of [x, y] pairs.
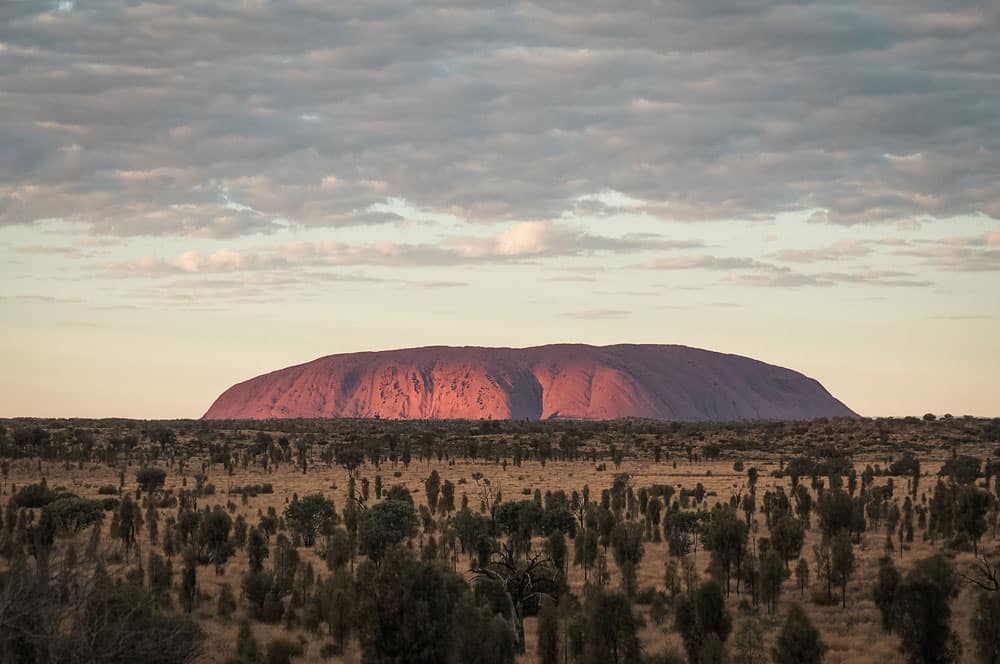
{"points": [[852, 634]]}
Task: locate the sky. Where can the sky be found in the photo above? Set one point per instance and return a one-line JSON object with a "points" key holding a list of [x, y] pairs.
{"points": [[194, 192]]}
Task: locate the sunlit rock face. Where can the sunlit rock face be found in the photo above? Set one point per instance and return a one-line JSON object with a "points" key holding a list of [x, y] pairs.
{"points": [[558, 381]]}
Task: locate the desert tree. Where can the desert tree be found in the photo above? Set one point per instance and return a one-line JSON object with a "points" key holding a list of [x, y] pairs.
{"points": [[725, 535], [823, 562], [921, 612], [884, 592], [787, 537], [212, 541], [556, 549], [701, 615], [490, 499], [836, 512], [798, 641], [150, 479], [129, 521], [962, 470], [971, 507], [152, 521], [383, 525], [627, 547], [226, 602], [748, 643], [802, 576], [407, 610], [350, 458], [188, 590], [432, 489], [772, 575], [611, 632], [803, 504], [311, 516], [524, 580], [336, 598], [79, 615], [480, 636], [339, 550], [240, 529], [71, 515], [842, 562], [986, 627], [548, 632], [257, 549], [446, 501], [160, 576], [585, 549]]}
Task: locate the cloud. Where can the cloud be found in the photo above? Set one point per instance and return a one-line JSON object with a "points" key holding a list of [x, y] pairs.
{"points": [[751, 272], [598, 314], [225, 119], [539, 238], [701, 261], [519, 242], [877, 278], [962, 318], [436, 284], [41, 299], [777, 279], [978, 253], [844, 249], [69, 252]]}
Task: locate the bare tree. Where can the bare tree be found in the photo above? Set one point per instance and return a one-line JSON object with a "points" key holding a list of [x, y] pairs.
{"points": [[985, 574], [490, 497], [524, 581]]}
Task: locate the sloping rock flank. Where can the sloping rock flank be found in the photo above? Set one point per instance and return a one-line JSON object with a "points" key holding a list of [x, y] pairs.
{"points": [[559, 381]]}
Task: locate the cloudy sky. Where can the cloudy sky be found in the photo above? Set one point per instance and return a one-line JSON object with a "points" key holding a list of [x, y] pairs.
{"points": [[193, 192]]}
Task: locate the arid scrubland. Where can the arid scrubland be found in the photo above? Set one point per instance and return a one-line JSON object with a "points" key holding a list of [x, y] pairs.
{"points": [[502, 494]]}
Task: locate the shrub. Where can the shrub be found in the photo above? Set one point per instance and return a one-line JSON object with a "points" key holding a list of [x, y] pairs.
{"points": [[70, 515], [227, 602], [35, 495], [150, 479], [330, 650], [281, 651]]}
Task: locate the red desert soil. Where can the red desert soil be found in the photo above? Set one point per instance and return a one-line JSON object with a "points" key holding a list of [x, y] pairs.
{"points": [[558, 381]]}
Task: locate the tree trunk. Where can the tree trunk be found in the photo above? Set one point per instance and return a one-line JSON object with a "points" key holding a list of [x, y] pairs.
{"points": [[518, 616]]}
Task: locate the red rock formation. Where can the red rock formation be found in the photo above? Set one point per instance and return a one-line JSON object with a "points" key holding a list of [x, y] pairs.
{"points": [[559, 381]]}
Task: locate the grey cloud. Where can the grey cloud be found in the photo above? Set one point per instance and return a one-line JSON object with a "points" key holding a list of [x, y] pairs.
{"points": [[841, 250], [777, 279], [959, 259], [877, 278], [704, 262], [979, 253], [219, 119]]}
